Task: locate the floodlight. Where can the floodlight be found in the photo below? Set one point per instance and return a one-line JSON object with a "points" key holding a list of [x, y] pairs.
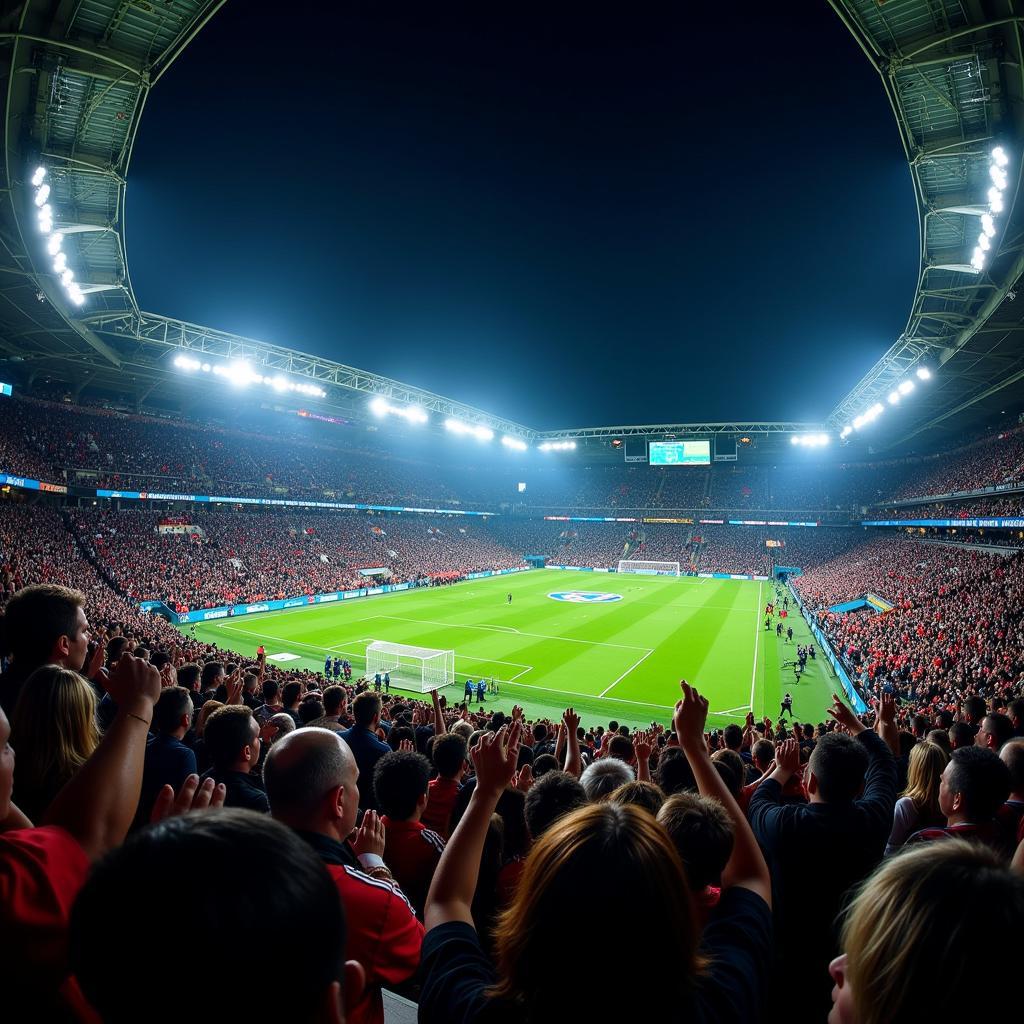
{"points": [[894, 397], [997, 174], [42, 194], [483, 433], [823, 439], [38, 175], [54, 244], [278, 383], [845, 432], [983, 243], [206, 367], [413, 413], [60, 262], [75, 294], [999, 156], [923, 373], [67, 277], [514, 443], [988, 225], [978, 259], [906, 386], [794, 439], [379, 406], [995, 200]]}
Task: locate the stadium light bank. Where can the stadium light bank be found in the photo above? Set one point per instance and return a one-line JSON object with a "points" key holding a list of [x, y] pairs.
{"points": [[414, 414], [479, 431], [811, 440], [898, 393], [998, 160], [54, 237], [241, 374], [556, 446]]}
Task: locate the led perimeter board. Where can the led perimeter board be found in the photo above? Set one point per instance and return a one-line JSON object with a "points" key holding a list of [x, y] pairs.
{"points": [[679, 453]]}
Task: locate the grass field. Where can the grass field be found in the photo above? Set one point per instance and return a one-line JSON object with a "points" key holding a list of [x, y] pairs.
{"points": [[614, 659]]}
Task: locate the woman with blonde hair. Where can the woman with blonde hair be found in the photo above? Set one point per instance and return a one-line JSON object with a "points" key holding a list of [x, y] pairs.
{"points": [[54, 730], [939, 925], [918, 808], [605, 854]]}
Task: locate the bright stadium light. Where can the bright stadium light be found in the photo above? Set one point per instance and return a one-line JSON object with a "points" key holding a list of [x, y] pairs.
{"points": [[514, 443], [187, 363], [483, 433], [379, 406], [923, 373], [906, 386], [998, 176], [38, 175], [988, 225], [557, 446], [999, 157], [67, 277], [60, 262], [794, 439], [894, 397], [53, 246], [845, 432], [42, 194]]}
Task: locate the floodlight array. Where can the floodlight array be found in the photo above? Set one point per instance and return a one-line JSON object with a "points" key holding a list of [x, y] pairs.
{"points": [[810, 440], [898, 393], [480, 432], [514, 443], [54, 239], [240, 374], [414, 414], [556, 446], [998, 160]]}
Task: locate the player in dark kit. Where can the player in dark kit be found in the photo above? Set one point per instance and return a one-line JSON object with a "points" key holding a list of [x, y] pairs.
{"points": [[509, 598], [787, 706]]}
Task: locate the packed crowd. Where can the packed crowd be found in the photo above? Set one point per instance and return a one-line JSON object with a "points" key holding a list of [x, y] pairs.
{"points": [[955, 631], [307, 458], [872, 864]]}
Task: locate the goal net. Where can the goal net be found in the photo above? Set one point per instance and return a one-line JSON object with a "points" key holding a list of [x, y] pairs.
{"points": [[411, 668], [649, 568]]}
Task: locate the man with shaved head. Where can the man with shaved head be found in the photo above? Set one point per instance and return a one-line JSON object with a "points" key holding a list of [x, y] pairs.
{"points": [[312, 783]]}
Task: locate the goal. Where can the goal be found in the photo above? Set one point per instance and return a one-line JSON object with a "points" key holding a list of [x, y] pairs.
{"points": [[648, 568], [411, 668]]}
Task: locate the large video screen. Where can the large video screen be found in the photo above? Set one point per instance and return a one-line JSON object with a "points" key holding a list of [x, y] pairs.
{"points": [[679, 453]]}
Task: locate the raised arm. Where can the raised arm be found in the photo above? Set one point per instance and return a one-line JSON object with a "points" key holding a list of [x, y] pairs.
{"points": [[451, 892], [439, 726], [886, 726], [97, 806], [643, 744], [746, 867], [573, 761]]}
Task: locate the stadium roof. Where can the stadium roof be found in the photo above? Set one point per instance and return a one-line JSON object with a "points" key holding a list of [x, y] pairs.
{"points": [[955, 80], [77, 77]]}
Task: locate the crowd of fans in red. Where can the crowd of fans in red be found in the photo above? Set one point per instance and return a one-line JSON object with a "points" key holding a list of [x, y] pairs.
{"points": [[170, 797]]}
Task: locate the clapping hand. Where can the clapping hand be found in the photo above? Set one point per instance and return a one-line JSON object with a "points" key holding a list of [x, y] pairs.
{"points": [[406, 746], [787, 756], [191, 797], [523, 779], [844, 716], [643, 744], [369, 837]]}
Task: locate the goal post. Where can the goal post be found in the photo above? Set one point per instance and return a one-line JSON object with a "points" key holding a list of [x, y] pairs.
{"points": [[642, 568], [411, 668]]}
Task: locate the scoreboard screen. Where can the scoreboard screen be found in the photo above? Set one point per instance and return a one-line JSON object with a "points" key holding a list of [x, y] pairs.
{"points": [[679, 453]]}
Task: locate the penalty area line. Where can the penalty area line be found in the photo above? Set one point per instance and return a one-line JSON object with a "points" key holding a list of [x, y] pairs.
{"points": [[626, 673]]}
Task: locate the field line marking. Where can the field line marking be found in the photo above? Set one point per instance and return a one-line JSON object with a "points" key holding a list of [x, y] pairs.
{"points": [[539, 636], [626, 673], [757, 640], [729, 711]]}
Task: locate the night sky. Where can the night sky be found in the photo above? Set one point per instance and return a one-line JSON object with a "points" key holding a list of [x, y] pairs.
{"points": [[569, 217]]}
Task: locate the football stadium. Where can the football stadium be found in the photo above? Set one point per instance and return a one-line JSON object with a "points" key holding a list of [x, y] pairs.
{"points": [[328, 635]]}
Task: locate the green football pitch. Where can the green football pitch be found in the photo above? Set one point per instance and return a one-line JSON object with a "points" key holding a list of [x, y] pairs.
{"points": [[617, 655]]}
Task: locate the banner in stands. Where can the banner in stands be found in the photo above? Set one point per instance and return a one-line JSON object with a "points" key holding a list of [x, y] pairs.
{"points": [[28, 484], [995, 523], [102, 492], [590, 519]]}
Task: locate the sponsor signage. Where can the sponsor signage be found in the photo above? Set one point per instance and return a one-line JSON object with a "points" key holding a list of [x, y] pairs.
{"points": [[584, 596], [993, 523]]}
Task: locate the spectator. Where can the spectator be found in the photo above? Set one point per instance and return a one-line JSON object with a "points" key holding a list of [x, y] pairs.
{"points": [[297, 906], [550, 798], [918, 807], [1011, 814], [54, 728], [994, 731], [975, 784], [701, 831], [44, 624], [933, 920], [605, 776], [312, 784], [400, 781], [334, 704], [168, 761], [271, 704], [203, 760], [449, 758], [818, 851], [290, 697], [232, 738], [639, 794], [364, 744], [627, 861]]}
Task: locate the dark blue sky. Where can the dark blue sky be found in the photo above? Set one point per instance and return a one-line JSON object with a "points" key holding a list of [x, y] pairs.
{"points": [[566, 216]]}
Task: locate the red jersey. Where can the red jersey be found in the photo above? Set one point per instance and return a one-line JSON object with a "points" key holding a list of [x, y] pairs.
{"points": [[411, 851], [383, 935], [41, 872], [440, 802]]}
